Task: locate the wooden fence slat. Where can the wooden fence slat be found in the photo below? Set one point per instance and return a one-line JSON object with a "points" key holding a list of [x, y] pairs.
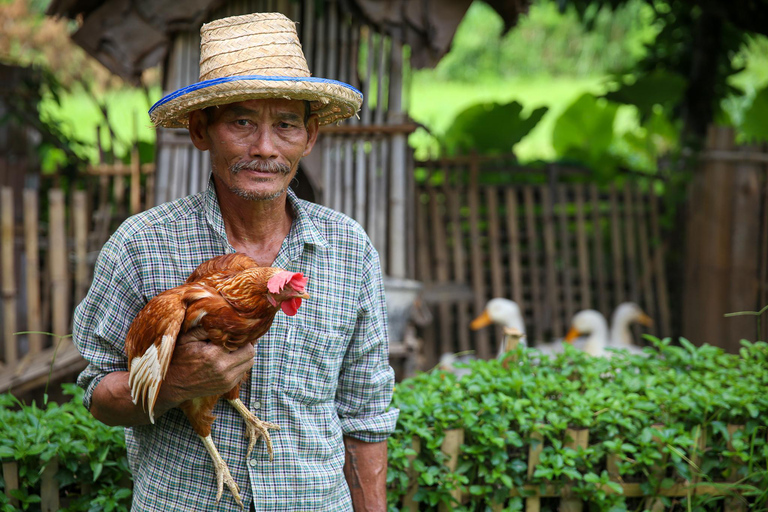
{"points": [[574, 439], [533, 503], [515, 267], [657, 470], [565, 251], [11, 478], [649, 304], [764, 261], [32, 256], [80, 216], [451, 447], [459, 258], [135, 181], [413, 484], [49, 487], [734, 503], [599, 258], [533, 264], [552, 290], [619, 293], [441, 269], [585, 278], [476, 257], [660, 272], [494, 246], [631, 254], [57, 252], [8, 267]]}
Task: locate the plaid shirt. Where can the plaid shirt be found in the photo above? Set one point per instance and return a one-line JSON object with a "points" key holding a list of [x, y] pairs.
{"points": [[321, 374]]}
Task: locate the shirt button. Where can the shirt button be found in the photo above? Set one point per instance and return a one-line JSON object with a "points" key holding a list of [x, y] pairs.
{"points": [[252, 462], [257, 405]]}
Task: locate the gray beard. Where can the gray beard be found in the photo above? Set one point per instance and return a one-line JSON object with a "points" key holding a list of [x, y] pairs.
{"points": [[258, 165]]}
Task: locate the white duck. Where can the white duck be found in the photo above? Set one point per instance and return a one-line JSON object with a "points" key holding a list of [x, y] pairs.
{"points": [[592, 324], [506, 314]]}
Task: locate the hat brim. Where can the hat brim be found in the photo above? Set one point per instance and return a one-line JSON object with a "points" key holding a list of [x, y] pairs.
{"points": [[330, 100]]}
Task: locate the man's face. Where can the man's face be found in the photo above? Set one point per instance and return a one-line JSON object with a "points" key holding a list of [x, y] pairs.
{"points": [[255, 145]]}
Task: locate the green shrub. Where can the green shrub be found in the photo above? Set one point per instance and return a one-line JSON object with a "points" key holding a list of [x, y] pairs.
{"points": [[645, 410], [93, 472]]}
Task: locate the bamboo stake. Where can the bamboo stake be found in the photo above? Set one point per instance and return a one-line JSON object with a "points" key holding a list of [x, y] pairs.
{"points": [[574, 439], [734, 503], [413, 482], [80, 216], [57, 251], [655, 504], [32, 254], [533, 503], [9, 275], [49, 487], [11, 477], [451, 445]]}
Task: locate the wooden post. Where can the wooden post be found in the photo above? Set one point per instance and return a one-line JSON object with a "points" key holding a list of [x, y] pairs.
{"points": [[734, 503], [476, 256], [655, 504], [451, 446], [57, 252], [9, 275], [135, 182], [80, 218], [49, 487], [533, 503], [32, 255], [574, 439], [11, 477], [413, 478]]}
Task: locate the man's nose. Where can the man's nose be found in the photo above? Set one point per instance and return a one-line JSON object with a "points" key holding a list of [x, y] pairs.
{"points": [[262, 143]]}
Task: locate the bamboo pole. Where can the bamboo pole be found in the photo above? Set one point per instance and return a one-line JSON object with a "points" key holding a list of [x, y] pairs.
{"points": [[413, 478], [533, 503], [11, 477], [9, 275], [734, 503], [32, 255], [451, 446], [574, 439], [57, 252], [49, 487]]}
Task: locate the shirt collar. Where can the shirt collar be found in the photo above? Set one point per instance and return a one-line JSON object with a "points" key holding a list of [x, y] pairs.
{"points": [[303, 229]]}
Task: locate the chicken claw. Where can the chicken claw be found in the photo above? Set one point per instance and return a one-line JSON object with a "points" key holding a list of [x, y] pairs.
{"points": [[223, 476], [254, 427]]}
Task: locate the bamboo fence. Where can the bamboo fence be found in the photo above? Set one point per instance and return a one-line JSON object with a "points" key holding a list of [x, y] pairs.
{"points": [[554, 248], [532, 493], [49, 240]]}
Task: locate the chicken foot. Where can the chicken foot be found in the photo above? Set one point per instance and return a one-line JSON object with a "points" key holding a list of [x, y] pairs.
{"points": [[223, 476], [254, 427]]}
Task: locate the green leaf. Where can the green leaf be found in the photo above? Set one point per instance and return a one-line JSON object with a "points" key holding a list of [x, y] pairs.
{"points": [[656, 88], [754, 126]]}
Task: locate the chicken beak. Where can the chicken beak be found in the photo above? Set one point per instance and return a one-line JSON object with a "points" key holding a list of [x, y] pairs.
{"points": [[303, 295], [645, 320], [481, 321], [573, 333]]}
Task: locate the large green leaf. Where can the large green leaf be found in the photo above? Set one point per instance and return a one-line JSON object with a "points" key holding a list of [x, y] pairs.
{"points": [[755, 127], [656, 88], [585, 129], [490, 128]]}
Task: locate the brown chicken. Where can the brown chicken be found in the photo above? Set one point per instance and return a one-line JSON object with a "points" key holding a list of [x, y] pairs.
{"points": [[228, 300]]}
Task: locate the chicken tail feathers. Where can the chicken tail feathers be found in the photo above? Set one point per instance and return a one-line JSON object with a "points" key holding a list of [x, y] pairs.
{"points": [[149, 346]]}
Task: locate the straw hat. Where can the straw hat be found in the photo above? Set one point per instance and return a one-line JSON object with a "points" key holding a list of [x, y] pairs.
{"points": [[249, 57]]}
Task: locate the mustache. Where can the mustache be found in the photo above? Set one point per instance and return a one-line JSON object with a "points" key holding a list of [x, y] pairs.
{"points": [[261, 166]]}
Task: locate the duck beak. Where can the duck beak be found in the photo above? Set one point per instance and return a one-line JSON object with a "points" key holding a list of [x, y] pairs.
{"points": [[645, 320], [573, 333], [483, 320]]}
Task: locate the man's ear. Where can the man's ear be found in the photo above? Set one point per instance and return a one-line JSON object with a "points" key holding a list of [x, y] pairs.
{"points": [[198, 130], [313, 126]]}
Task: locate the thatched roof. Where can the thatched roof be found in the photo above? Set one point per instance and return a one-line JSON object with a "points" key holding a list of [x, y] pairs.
{"points": [[129, 36]]}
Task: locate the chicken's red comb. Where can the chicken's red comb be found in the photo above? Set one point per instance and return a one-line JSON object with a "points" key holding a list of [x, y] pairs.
{"points": [[277, 282]]}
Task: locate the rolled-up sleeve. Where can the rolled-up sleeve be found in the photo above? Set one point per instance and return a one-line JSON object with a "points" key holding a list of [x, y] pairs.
{"points": [[366, 381], [102, 319]]}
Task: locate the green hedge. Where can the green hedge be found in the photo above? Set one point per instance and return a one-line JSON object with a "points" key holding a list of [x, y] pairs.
{"points": [[619, 400]]}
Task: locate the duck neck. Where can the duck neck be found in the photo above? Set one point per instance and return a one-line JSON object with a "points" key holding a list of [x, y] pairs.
{"points": [[620, 335], [597, 340]]}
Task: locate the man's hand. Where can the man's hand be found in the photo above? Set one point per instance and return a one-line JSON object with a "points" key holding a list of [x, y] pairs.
{"points": [[365, 469], [197, 369]]}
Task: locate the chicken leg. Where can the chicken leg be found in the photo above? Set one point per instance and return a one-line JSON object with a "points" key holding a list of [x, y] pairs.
{"points": [[223, 476], [254, 427]]}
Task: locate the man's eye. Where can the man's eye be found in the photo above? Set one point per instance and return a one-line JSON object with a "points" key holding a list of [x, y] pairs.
{"points": [[285, 125], [242, 122]]}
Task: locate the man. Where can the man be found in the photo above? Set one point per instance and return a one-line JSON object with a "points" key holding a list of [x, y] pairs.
{"points": [[322, 375]]}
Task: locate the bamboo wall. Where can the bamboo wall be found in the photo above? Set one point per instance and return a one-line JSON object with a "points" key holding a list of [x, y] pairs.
{"points": [[554, 248]]}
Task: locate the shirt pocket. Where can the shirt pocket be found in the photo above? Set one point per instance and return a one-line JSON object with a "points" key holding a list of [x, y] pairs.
{"points": [[313, 361]]}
